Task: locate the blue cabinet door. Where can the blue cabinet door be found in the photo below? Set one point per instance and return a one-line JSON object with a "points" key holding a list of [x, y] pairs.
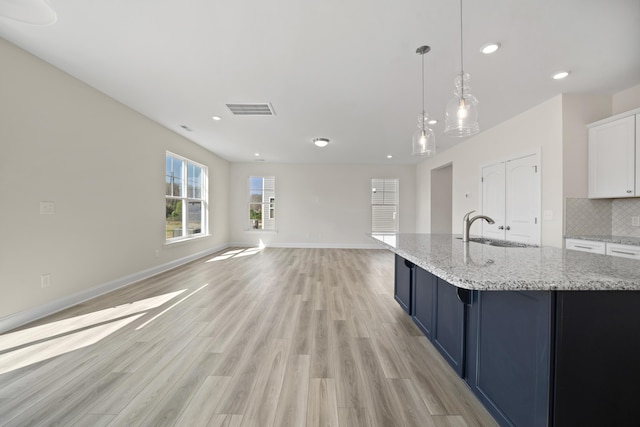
{"points": [[509, 355], [423, 300], [449, 325], [403, 282], [597, 363]]}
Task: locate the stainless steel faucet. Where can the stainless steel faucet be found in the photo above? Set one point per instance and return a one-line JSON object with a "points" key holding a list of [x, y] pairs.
{"points": [[466, 224]]}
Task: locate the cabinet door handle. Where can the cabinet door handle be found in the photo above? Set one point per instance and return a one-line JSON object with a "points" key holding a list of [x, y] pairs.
{"points": [[501, 227], [583, 247], [623, 252], [507, 228]]}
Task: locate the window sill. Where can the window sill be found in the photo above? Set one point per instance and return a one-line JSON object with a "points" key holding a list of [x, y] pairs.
{"points": [[185, 239]]}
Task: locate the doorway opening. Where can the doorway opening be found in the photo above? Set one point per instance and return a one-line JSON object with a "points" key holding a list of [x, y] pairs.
{"points": [[442, 199]]}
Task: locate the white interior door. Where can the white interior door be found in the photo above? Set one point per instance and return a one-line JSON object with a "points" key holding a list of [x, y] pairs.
{"points": [[493, 200], [522, 181]]}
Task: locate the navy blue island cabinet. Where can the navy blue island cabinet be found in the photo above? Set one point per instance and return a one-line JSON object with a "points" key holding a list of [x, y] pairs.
{"points": [[508, 349], [403, 283], [535, 358], [440, 315]]}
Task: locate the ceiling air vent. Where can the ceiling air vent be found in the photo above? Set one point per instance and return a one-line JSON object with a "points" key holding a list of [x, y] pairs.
{"points": [[252, 109]]}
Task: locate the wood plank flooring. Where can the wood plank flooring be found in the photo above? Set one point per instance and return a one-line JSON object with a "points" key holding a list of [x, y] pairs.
{"points": [[246, 337]]}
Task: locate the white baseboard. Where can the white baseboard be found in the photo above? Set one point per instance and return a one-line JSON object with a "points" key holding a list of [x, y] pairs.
{"points": [[326, 245], [312, 245], [15, 320]]}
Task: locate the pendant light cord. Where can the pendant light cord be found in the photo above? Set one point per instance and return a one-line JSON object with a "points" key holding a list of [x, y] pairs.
{"points": [[461, 57], [422, 118]]}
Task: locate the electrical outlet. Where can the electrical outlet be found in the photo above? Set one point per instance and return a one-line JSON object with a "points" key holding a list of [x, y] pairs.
{"points": [[635, 221], [45, 280]]}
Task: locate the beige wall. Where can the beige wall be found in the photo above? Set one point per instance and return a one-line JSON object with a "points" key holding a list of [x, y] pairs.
{"points": [[318, 205], [538, 128], [626, 100], [577, 112], [557, 127], [102, 164], [441, 199]]}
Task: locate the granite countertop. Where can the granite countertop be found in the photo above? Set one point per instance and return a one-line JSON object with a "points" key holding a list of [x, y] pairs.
{"points": [[625, 240], [484, 267]]}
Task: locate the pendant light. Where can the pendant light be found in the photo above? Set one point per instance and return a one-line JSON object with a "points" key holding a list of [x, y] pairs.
{"points": [[424, 141], [462, 111]]}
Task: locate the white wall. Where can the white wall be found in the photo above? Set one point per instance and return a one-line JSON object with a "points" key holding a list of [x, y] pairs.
{"points": [[626, 100], [318, 205], [102, 164]]}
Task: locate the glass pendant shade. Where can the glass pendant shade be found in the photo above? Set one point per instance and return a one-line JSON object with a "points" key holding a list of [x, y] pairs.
{"points": [[461, 115], [424, 141]]}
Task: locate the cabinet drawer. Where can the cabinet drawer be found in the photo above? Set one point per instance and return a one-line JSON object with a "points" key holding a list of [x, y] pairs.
{"points": [[625, 251], [586, 246]]}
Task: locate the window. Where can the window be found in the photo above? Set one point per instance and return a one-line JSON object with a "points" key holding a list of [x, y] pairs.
{"points": [[384, 205], [262, 203], [186, 198]]}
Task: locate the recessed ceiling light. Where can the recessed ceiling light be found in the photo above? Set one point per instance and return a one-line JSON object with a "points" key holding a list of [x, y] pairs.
{"points": [[490, 48], [560, 75], [389, 156], [216, 118], [432, 122], [256, 154], [321, 142]]}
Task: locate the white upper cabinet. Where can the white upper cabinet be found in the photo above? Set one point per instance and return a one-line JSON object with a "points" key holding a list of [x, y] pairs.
{"points": [[614, 158], [637, 154]]}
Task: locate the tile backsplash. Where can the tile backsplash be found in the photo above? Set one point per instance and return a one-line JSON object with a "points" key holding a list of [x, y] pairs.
{"points": [[622, 211], [590, 217], [601, 217]]}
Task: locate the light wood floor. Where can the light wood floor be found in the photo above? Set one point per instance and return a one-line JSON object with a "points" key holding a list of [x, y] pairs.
{"points": [[278, 337]]}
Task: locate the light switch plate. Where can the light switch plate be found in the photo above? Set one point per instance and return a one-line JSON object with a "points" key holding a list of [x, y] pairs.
{"points": [[45, 280], [547, 215], [47, 208], [635, 221]]}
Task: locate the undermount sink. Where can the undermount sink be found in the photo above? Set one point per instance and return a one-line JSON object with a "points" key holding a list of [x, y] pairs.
{"points": [[498, 243]]}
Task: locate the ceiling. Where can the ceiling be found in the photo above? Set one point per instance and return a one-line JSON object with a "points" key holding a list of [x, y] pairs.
{"points": [[343, 70]]}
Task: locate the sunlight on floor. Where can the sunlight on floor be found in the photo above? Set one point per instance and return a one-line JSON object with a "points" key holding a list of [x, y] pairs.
{"points": [[22, 348], [238, 253], [170, 307], [26, 356]]}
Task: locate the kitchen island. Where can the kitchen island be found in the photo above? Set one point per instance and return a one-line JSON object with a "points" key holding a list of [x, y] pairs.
{"points": [[543, 336]]}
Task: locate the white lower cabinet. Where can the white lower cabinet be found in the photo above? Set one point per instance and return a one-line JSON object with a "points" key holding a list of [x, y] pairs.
{"points": [[612, 158], [613, 249], [625, 251], [586, 246]]}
